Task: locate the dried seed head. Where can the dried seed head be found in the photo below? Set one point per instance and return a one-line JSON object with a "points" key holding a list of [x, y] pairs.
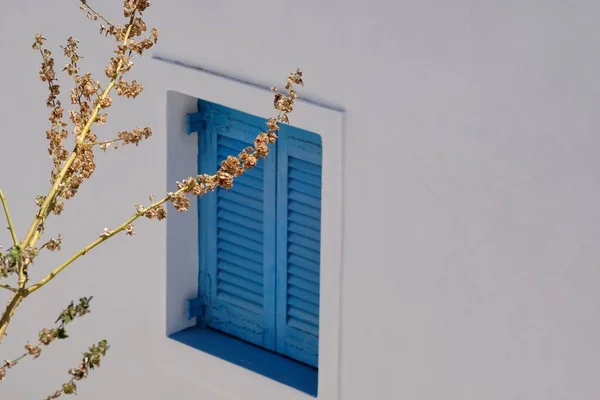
{"points": [[159, 213], [180, 201], [54, 244], [38, 41], [46, 336], [136, 136], [130, 7], [231, 165], [105, 102], [58, 208], [129, 230], [130, 90], [34, 351], [224, 180], [248, 158], [138, 27]]}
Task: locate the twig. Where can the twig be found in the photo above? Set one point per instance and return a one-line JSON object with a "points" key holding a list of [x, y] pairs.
{"points": [[95, 243], [7, 287], [86, 7], [47, 336], [11, 227], [91, 360]]}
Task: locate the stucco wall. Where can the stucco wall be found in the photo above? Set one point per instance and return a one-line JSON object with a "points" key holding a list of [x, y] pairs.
{"points": [[471, 192]]}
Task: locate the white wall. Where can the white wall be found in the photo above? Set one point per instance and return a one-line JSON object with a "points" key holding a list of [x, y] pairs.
{"points": [[470, 264]]}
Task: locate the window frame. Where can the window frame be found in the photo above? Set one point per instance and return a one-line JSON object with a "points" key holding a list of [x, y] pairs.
{"points": [[180, 85]]}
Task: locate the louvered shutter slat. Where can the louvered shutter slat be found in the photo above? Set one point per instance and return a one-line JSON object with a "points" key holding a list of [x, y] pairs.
{"points": [[237, 232], [298, 244]]}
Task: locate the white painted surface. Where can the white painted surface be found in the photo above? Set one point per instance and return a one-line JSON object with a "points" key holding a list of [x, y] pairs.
{"points": [[471, 192]]}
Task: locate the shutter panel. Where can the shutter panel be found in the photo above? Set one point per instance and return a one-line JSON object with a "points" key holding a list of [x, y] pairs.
{"points": [[298, 243], [237, 232]]}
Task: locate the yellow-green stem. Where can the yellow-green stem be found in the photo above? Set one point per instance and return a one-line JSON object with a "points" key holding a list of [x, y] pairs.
{"points": [[11, 227], [8, 287], [95, 243], [13, 303]]}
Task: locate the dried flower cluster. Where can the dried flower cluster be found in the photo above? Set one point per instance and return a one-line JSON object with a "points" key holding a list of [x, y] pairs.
{"points": [[57, 132], [128, 89], [54, 244], [89, 97], [136, 136]]}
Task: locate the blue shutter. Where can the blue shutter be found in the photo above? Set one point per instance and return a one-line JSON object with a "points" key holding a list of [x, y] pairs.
{"points": [[237, 232], [299, 161]]}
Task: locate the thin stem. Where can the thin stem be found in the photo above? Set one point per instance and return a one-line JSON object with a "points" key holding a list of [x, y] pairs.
{"points": [[16, 360], [95, 243], [105, 142], [11, 227], [12, 363], [96, 13], [8, 287]]}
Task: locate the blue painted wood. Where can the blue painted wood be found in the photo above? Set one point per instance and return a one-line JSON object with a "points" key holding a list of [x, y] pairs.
{"points": [[269, 364], [194, 122], [194, 308], [299, 161], [237, 231], [259, 242]]}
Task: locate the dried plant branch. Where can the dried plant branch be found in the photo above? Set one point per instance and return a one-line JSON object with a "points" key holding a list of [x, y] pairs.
{"points": [[79, 164], [90, 360], [104, 237], [45, 207], [71, 168], [47, 336], [93, 14], [8, 287], [104, 145], [230, 168], [11, 227]]}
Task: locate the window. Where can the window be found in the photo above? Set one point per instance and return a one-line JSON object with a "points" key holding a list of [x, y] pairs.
{"points": [[259, 242], [221, 364]]}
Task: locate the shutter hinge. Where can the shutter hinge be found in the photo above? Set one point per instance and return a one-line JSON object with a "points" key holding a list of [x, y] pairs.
{"points": [[195, 308], [195, 122]]}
